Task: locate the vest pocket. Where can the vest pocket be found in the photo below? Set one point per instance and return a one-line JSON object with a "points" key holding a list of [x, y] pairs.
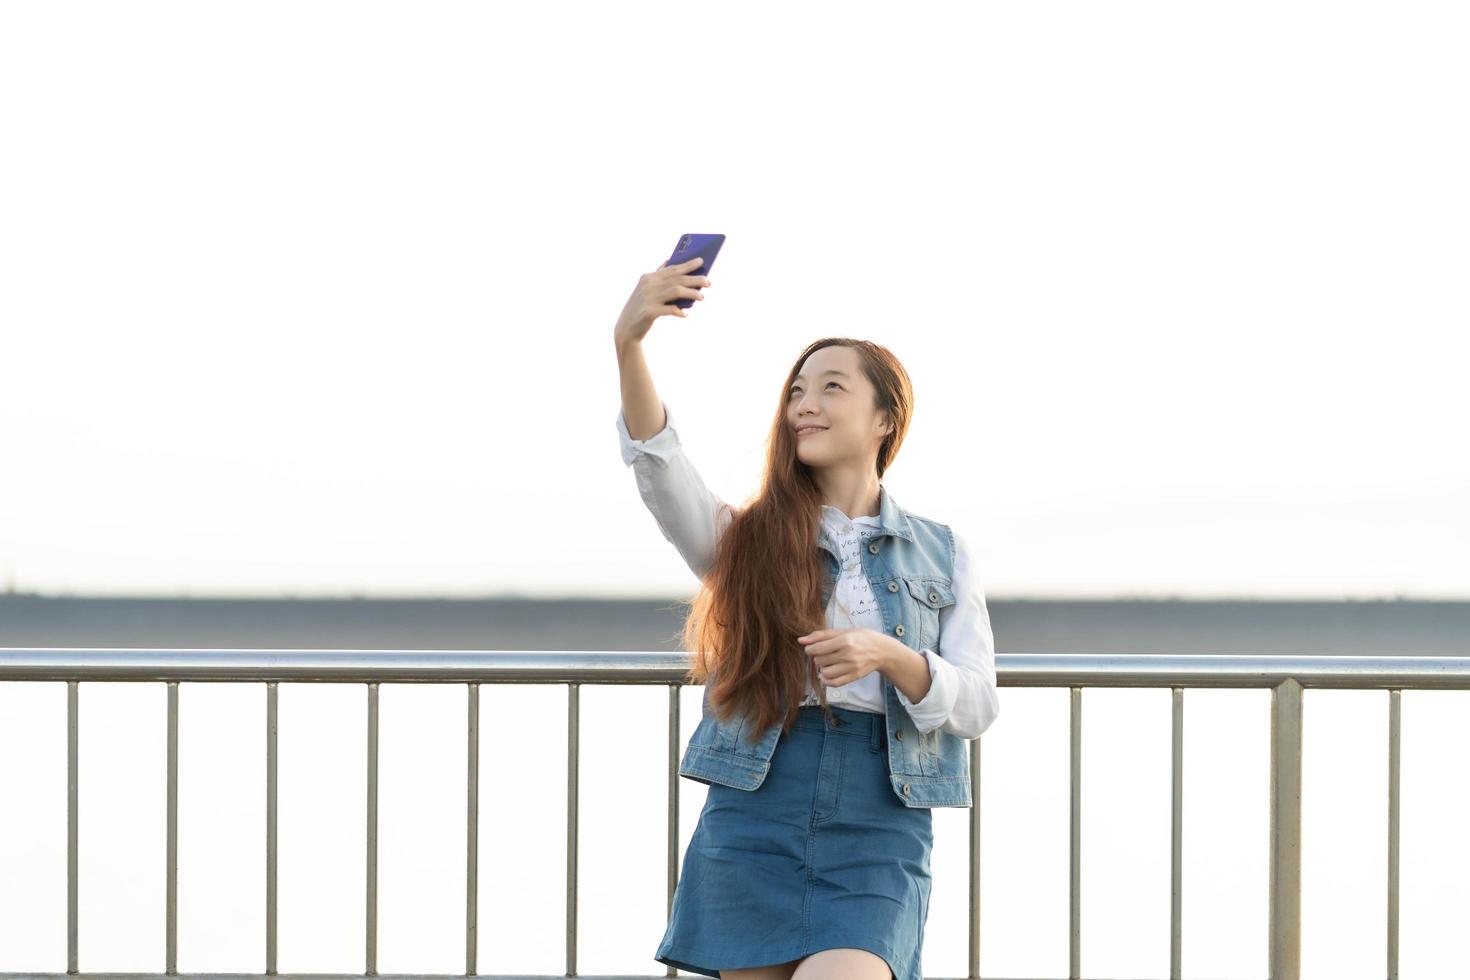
{"points": [[930, 595]]}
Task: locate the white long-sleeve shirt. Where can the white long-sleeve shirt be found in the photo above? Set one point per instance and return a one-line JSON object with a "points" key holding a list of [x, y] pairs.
{"points": [[962, 697]]}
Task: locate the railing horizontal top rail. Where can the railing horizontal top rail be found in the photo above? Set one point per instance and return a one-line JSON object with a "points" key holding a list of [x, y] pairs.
{"points": [[661, 667]]}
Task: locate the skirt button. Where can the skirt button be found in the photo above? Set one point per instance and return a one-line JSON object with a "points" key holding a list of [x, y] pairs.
{"points": [[898, 735]]}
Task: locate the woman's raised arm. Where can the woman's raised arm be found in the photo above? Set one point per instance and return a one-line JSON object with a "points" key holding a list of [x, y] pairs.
{"points": [[653, 297], [686, 511]]}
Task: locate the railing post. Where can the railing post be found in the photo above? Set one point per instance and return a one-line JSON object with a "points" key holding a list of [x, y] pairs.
{"points": [[1074, 930], [371, 927], [1176, 838], [675, 738], [472, 835], [272, 713], [974, 928], [574, 692], [73, 777], [1284, 953], [1395, 717], [171, 837]]}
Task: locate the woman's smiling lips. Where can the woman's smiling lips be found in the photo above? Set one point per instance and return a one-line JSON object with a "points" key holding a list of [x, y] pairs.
{"points": [[808, 429]]}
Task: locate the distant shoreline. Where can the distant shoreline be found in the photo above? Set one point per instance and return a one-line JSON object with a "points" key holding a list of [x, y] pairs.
{"points": [[1129, 625]]}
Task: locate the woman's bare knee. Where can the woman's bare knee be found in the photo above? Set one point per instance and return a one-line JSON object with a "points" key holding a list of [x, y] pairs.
{"points": [[842, 964], [778, 971]]}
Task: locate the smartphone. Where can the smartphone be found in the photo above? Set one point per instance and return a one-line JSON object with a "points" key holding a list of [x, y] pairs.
{"points": [[689, 246]]}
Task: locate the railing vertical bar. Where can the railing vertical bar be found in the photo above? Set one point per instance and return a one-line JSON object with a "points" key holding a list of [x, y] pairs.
{"points": [[672, 857], [1176, 855], [372, 831], [472, 833], [1285, 914], [1395, 717], [1075, 887], [171, 870], [271, 712], [573, 703], [974, 924], [72, 710]]}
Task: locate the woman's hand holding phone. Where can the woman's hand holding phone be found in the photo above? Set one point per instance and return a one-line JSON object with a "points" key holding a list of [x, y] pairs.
{"points": [[654, 297]]}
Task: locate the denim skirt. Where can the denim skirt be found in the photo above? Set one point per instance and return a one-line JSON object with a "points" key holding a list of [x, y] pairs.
{"points": [[821, 855]]}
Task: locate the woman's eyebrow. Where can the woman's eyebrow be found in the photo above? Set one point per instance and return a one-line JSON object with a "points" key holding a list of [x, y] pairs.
{"points": [[843, 373]]}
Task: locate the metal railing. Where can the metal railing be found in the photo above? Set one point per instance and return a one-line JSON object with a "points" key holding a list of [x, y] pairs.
{"points": [[1285, 676]]}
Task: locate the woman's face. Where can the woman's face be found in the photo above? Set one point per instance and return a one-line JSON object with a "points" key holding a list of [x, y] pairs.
{"points": [[832, 393]]}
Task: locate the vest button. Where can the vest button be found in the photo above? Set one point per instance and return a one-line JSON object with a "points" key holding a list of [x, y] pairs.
{"points": [[898, 735], [873, 547], [892, 586], [905, 789], [898, 629], [933, 597]]}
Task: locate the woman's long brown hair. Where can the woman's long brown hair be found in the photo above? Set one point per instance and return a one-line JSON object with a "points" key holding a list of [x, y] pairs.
{"points": [[764, 588]]}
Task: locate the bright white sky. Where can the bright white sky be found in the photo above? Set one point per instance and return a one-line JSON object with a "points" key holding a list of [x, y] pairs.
{"points": [[317, 298]]}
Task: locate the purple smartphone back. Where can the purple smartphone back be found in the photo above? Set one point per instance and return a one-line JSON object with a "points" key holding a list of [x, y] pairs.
{"points": [[706, 246]]}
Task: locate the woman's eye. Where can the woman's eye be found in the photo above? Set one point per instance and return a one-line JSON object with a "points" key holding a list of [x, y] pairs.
{"points": [[795, 390]]}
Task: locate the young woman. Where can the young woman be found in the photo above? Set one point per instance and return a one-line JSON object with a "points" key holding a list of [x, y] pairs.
{"points": [[847, 660]]}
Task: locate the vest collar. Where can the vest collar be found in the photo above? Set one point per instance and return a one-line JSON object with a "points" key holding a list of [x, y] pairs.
{"points": [[892, 519]]}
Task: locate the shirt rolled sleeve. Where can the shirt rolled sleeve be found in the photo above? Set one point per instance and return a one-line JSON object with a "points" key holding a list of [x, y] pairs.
{"points": [[688, 514], [937, 705], [661, 445]]}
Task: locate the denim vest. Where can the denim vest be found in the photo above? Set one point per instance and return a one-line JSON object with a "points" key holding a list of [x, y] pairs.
{"points": [[909, 562]]}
